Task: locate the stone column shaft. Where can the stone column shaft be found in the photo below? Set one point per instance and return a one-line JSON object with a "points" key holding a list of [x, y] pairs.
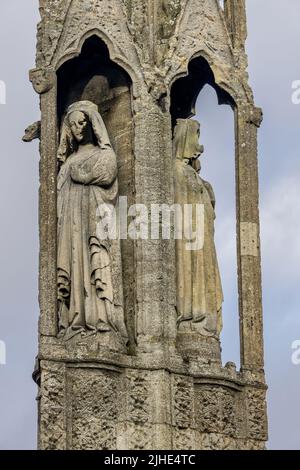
{"points": [[155, 265], [47, 214], [250, 292]]}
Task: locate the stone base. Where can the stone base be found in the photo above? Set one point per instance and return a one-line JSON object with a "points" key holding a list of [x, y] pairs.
{"points": [[97, 405], [202, 349], [94, 342]]}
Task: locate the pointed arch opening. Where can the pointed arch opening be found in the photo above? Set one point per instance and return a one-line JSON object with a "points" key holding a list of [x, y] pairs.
{"points": [[198, 96], [185, 90]]}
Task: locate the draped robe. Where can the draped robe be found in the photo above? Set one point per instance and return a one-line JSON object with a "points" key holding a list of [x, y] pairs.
{"points": [[199, 289], [89, 266]]}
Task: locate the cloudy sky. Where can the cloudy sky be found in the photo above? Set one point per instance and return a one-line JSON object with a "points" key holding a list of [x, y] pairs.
{"points": [[274, 63]]}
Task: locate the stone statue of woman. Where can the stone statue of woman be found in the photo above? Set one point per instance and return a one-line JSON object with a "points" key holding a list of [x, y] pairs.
{"points": [[90, 297], [199, 290]]}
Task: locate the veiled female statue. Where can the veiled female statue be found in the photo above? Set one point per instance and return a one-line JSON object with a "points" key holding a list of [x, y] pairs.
{"points": [[89, 265], [199, 290]]}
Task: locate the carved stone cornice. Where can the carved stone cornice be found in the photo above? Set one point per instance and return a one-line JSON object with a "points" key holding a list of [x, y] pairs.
{"points": [[254, 115], [42, 79]]}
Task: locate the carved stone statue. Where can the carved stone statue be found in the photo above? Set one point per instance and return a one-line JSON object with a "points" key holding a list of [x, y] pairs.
{"points": [[32, 132], [199, 290], [89, 266]]}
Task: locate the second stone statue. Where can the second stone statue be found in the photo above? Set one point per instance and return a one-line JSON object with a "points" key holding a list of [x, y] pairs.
{"points": [[199, 290]]}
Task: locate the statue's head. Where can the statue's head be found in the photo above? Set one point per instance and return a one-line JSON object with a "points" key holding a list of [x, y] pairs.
{"points": [[82, 124]]}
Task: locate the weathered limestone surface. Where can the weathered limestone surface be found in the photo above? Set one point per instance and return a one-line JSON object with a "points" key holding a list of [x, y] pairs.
{"points": [[128, 57]]}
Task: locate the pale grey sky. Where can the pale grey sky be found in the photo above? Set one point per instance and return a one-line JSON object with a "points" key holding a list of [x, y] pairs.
{"points": [[274, 63]]}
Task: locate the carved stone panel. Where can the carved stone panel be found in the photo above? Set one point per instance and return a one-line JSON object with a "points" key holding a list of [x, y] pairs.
{"points": [[256, 406], [183, 439], [183, 401], [216, 409], [96, 408], [215, 441], [138, 416], [183, 412], [52, 408]]}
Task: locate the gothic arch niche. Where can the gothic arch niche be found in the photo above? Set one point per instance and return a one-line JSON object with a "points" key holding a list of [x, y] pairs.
{"points": [[185, 90], [218, 167], [197, 95], [93, 76]]}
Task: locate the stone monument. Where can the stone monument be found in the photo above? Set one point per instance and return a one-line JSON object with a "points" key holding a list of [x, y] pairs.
{"points": [[129, 331]]}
